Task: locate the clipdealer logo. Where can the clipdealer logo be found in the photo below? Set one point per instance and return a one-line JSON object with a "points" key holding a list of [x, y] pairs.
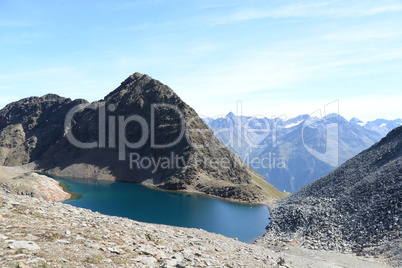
{"points": [[120, 123], [112, 134]]}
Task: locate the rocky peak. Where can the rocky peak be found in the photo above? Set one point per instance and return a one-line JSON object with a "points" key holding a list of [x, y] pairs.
{"points": [[230, 115], [200, 168], [144, 90], [35, 100], [355, 120], [29, 107], [132, 78]]}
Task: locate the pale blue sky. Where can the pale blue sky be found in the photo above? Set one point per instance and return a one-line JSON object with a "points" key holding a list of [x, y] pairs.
{"points": [[277, 57]]}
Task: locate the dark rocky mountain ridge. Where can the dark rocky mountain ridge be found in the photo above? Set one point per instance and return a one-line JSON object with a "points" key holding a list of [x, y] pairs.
{"points": [[357, 207], [33, 130], [29, 127]]}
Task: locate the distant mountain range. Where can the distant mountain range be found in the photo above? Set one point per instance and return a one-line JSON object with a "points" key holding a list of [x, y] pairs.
{"points": [[382, 126], [290, 153]]}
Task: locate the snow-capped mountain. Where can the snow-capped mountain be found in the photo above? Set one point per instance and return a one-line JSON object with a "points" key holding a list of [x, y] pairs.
{"points": [[291, 153]]}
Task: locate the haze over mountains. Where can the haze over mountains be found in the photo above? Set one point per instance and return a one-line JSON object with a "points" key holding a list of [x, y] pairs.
{"points": [[382, 126], [290, 153], [99, 141]]}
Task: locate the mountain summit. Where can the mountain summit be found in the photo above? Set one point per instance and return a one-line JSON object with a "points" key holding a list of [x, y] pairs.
{"points": [[140, 132]]}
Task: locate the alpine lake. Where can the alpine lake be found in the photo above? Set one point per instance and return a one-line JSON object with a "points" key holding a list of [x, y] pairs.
{"points": [[137, 202]]}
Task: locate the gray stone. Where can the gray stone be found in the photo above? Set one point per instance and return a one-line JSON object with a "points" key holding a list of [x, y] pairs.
{"points": [[149, 261], [114, 250], [3, 237], [61, 241], [29, 245]]}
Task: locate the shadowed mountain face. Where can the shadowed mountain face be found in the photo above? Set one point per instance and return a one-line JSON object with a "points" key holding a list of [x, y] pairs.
{"points": [[141, 132], [29, 127], [292, 153], [356, 207]]}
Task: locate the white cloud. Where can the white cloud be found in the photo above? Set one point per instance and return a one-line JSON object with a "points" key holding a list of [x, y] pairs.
{"points": [[310, 9], [363, 34], [381, 9], [241, 76], [263, 63], [283, 69]]}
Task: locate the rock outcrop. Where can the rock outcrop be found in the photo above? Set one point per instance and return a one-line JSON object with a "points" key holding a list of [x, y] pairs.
{"points": [[29, 127], [141, 132], [34, 185], [357, 207]]}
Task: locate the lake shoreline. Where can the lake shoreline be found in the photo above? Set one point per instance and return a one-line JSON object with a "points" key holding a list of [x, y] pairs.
{"points": [[153, 187], [66, 189], [245, 221]]}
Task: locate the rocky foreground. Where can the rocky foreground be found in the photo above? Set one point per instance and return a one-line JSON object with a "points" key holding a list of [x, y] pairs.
{"points": [[35, 231], [39, 233]]}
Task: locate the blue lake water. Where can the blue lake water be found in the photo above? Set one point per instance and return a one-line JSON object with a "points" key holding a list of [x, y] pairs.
{"points": [[137, 202]]}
